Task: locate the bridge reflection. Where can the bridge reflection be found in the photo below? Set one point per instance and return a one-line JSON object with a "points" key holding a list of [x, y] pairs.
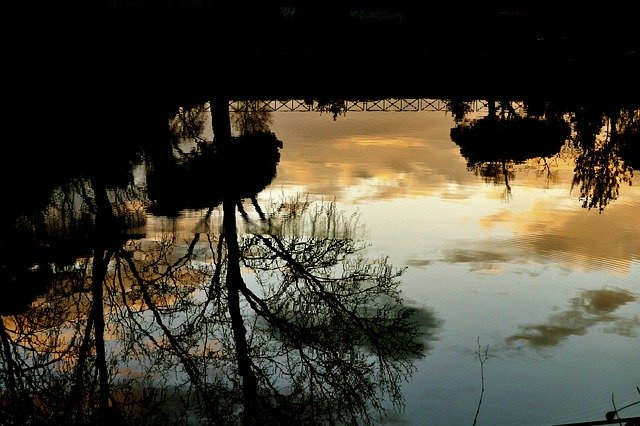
{"points": [[399, 104]]}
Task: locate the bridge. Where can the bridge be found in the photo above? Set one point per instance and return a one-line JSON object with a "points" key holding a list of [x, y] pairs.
{"points": [[392, 104]]}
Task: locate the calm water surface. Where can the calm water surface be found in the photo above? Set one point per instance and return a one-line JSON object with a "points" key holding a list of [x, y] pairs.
{"points": [[517, 283], [550, 289]]}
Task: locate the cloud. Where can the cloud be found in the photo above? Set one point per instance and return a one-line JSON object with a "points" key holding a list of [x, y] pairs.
{"points": [[545, 235], [370, 150], [419, 263], [589, 308], [479, 259]]}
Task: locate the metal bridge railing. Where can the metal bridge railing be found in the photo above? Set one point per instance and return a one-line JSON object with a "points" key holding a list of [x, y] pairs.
{"points": [[298, 105]]}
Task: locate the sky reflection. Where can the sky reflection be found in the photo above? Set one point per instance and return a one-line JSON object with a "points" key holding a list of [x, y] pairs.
{"points": [[587, 310], [373, 157], [550, 286]]}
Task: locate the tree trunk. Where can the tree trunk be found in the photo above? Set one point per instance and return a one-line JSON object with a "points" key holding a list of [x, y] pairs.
{"points": [[222, 133], [103, 228]]}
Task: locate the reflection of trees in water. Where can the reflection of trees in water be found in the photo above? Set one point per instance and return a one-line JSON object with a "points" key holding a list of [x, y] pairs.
{"points": [[605, 143], [458, 108], [344, 337], [46, 347], [251, 117], [137, 331], [334, 106], [38, 245], [196, 173], [288, 322], [493, 145], [608, 146], [328, 335]]}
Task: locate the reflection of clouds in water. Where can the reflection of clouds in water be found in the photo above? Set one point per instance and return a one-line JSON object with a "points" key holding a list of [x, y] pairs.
{"points": [[565, 239], [532, 274], [416, 147], [479, 260], [624, 327], [382, 186], [476, 256], [457, 195], [590, 308], [362, 174], [418, 263], [549, 235], [395, 143]]}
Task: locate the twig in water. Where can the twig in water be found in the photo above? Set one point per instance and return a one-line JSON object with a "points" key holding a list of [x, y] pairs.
{"points": [[615, 410], [482, 358], [610, 415]]}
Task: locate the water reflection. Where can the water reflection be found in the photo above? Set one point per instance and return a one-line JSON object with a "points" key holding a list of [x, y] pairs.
{"points": [[265, 312], [604, 138], [289, 322], [494, 143], [590, 308], [608, 143]]}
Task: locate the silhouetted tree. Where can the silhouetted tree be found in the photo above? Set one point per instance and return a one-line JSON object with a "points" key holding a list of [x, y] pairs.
{"points": [[338, 318], [459, 108], [334, 106], [58, 341], [606, 142], [137, 331], [197, 173], [251, 117], [495, 143]]}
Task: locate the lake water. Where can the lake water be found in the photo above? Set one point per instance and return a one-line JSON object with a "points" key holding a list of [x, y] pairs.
{"points": [[547, 287], [550, 289], [522, 266]]}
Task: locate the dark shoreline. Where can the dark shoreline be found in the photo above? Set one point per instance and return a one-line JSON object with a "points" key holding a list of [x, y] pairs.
{"points": [[181, 50]]}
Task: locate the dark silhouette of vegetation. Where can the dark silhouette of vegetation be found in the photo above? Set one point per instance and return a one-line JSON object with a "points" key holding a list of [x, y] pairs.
{"points": [[495, 143], [139, 331], [608, 150], [203, 176], [531, 45], [335, 107], [101, 326], [342, 342], [606, 139]]}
